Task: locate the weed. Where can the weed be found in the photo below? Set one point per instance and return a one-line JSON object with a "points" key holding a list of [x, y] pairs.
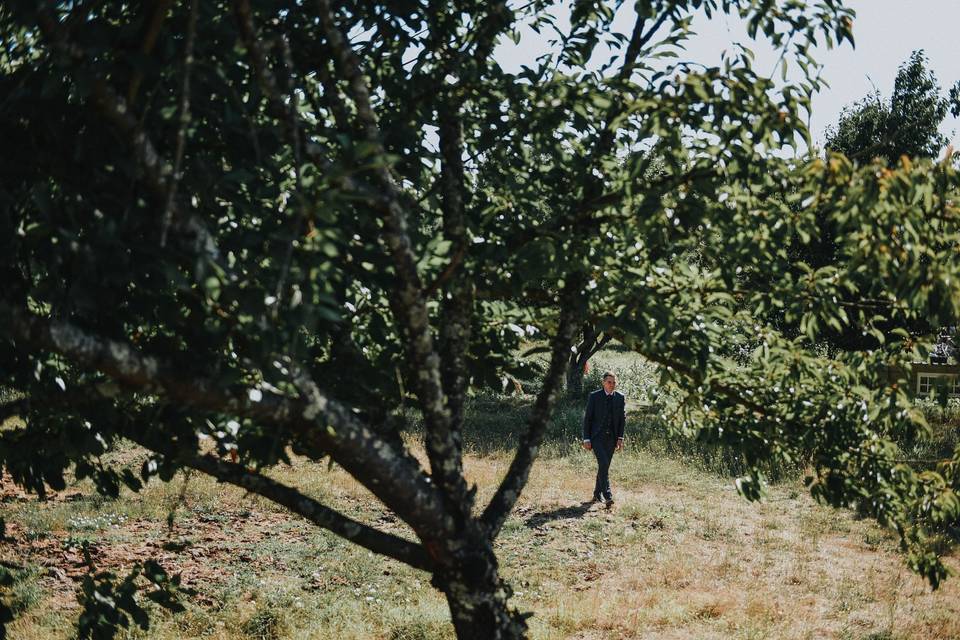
{"points": [[267, 623], [25, 592], [97, 522], [421, 630]]}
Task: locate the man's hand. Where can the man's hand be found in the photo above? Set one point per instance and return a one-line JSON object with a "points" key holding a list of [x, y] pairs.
{"points": [[586, 445], [619, 444]]}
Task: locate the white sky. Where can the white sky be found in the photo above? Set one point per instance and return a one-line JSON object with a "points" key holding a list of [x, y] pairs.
{"points": [[885, 32]]}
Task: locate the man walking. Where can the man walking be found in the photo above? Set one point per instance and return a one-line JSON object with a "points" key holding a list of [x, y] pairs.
{"points": [[603, 423]]}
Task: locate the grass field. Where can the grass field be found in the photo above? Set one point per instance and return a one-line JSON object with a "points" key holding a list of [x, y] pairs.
{"points": [[680, 556]]}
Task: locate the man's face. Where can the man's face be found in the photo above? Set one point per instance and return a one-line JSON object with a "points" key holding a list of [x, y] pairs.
{"points": [[609, 384]]}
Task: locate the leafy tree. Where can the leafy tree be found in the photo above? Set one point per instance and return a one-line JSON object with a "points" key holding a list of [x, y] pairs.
{"points": [[908, 124], [237, 231], [592, 340]]}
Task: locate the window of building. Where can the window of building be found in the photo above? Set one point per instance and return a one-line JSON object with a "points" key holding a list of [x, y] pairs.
{"points": [[927, 382]]}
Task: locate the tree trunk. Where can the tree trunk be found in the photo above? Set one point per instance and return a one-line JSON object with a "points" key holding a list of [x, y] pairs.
{"points": [[593, 340], [477, 598], [579, 358], [575, 376]]}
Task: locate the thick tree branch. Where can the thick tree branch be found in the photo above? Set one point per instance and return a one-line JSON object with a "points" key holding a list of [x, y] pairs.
{"points": [[309, 508], [377, 541], [392, 474], [357, 532], [509, 490], [407, 301], [457, 305], [455, 331]]}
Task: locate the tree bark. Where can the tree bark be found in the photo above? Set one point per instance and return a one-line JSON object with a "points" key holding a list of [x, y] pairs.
{"points": [[477, 597], [575, 375]]}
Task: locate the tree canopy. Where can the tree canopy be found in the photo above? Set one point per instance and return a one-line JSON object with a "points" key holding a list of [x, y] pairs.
{"points": [[908, 124], [235, 232]]}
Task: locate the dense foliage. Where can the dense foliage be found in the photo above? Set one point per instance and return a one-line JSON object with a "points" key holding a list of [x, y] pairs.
{"points": [[236, 231], [877, 129], [908, 124]]}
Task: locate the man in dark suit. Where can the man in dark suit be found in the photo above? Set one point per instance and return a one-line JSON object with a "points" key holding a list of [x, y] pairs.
{"points": [[603, 423]]}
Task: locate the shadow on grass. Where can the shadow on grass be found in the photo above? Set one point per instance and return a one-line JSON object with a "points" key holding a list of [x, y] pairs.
{"points": [[563, 513]]}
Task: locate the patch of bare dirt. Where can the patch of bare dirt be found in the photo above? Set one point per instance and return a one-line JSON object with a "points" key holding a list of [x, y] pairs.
{"points": [[199, 547]]}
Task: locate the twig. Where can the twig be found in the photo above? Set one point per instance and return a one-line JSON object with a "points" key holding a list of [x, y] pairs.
{"points": [[177, 174]]}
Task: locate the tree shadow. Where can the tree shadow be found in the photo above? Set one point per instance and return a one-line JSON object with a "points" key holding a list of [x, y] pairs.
{"points": [[563, 513]]}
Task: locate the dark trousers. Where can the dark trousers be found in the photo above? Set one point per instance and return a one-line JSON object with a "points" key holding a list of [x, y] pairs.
{"points": [[604, 452]]}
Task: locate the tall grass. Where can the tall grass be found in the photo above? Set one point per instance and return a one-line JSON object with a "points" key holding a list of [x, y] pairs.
{"points": [[944, 438]]}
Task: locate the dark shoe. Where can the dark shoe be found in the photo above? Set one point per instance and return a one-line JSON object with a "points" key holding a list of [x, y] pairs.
{"points": [[608, 500]]}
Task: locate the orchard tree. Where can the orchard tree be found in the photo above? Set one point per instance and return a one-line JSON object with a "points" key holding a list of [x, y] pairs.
{"points": [[591, 340], [238, 231]]}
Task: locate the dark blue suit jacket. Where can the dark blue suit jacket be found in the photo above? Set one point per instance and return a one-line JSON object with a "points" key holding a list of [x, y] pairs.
{"points": [[595, 417]]}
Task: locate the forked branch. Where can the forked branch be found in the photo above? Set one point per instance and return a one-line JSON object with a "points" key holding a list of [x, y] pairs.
{"points": [[407, 299]]}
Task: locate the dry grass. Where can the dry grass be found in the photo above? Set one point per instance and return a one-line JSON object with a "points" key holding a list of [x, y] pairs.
{"points": [[684, 556], [680, 556]]}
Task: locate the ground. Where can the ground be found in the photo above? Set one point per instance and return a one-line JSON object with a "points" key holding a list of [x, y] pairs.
{"points": [[681, 555]]}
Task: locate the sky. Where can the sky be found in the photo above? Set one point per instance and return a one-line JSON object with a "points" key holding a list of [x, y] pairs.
{"points": [[885, 33]]}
